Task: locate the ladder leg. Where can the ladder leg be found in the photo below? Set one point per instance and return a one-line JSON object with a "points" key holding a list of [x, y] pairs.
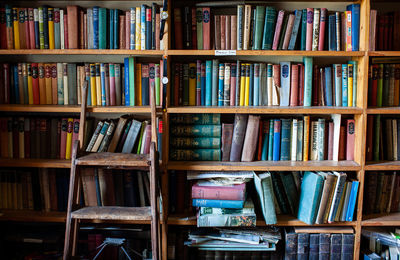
{"points": [[74, 236]]}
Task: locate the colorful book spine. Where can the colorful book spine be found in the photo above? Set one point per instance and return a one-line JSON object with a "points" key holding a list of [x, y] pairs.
{"points": [[308, 70], [221, 71], [229, 204], [344, 85], [277, 140]]}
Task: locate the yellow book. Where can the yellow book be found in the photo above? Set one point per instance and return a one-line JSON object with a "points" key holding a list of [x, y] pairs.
{"points": [[306, 137], [93, 84], [247, 86], [138, 29], [30, 88], [47, 82], [98, 84], [16, 28], [138, 83], [242, 83], [68, 144], [350, 85], [50, 12], [192, 84]]}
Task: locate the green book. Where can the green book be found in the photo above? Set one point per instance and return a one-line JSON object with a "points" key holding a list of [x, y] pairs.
{"points": [[308, 71], [271, 140], [355, 69], [260, 16], [199, 119], [196, 130], [102, 28], [157, 83], [132, 81], [186, 84], [303, 30], [380, 86], [195, 154], [280, 193], [310, 196], [291, 191], [269, 24], [41, 29], [199, 20], [195, 142], [265, 192], [283, 31], [142, 129]]}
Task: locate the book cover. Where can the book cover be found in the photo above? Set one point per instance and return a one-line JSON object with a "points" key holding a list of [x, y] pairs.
{"points": [[239, 128], [231, 192], [285, 83], [277, 140], [250, 140], [311, 189]]}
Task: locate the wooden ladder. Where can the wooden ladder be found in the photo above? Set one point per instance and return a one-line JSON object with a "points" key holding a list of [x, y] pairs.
{"points": [[108, 214]]}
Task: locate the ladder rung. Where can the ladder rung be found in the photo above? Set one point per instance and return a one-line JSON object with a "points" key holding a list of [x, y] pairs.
{"points": [[114, 160], [113, 213]]}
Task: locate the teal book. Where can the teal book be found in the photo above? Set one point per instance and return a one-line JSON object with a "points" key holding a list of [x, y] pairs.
{"points": [[111, 29], [259, 26], [269, 28], [221, 73], [57, 43], [195, 155], [264, 152], [355, 69], [308, 79], [295, 31], [271, 140], [196, 130], [102, 28], [214, 90], [199, 119], [303, 30], [131, 96], [290, 189], [208, 83], [229, 204], [310, 196], [285, 139], [195, 142], [263, 184]]}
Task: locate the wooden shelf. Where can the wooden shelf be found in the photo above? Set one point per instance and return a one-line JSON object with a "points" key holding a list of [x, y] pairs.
{"points": [[32, 216], [383, 53], [83, 52], [128, 215], [382, 166], [283, 221], [265, 110], [270, 53], [114, 160], [74, 109], [383, 110], [264, 166], [391, 219], [37, 163]]}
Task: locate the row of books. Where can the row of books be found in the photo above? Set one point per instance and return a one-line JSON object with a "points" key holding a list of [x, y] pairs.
{"points": [[319, 243], [265, 28], [212, 83], [31, 137], [382, 192], [112, 188], [384, 85], [380, 243], [109, 84], [34, 189], [79, 28], [384, 31]]}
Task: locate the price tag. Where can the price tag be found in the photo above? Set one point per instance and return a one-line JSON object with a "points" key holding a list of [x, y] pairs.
{"points": [[225, 52]]}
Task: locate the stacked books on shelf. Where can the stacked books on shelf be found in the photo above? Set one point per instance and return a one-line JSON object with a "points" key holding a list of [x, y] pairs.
{"points": [[125, 136], [380, 243], [266, 28], [215, 83], [79, 28], [382, 192], [384, 31], [109, 84], [31, 137], [105, 188], [319, 243], [34, 189]]}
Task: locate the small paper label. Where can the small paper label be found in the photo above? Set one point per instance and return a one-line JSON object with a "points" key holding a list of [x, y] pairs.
{"points": [[225, 52]]}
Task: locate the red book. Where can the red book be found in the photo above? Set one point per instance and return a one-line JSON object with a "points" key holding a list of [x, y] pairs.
{"points": [[330, 140], [63, 139], [176, 84], [232, 83], [194, 30], [122, 34], [206, 28], [147, 140], [370, 133], [66, 42], [350, 140], [223, 36], [228, 32], [72, 11], [27, 138], [35, 84], [342, 143], [309, 31], [294, 85], [178, 29], [112, 88], [232, 192], [75, 130], [31, 29], [6, 78], [315, 89], [127, 29], [278, 28], [81, 29], [374, 85], [322, 25], [54, 83], [233, 32], [3, 29], [301, 84], [26, 29], [217, 32]]}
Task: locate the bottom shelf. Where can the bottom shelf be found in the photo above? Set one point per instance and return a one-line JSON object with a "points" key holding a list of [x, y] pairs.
{"points": [[283, 221], [32, 216], [391, 219]]}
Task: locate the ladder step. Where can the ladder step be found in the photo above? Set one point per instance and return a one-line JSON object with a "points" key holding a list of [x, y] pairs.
{"points": [[114, 160], [113, 213]]}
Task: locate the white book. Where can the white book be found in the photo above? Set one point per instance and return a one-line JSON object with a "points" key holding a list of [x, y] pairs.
{"points": [[60, 84], [132, 136], [394, 143], [65, 83], [293, 140], [89, 18], [315, 38], [62, 40], [132, 38], [314, 141], [336, 196], [285, 83]]}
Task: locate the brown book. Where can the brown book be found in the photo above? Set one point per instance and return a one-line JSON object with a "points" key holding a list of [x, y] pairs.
{"points": [[85, 31], [227, 32], [44, 138], [227, 132], [117, 134], [44, 188], [127, 29], [330, 180], [180, 191], [89, 187], [81, 29], [52, 189], [223, 34], [22, 34], [250, 139], [246, 27], [233, 32], [106, 184], [342, 143], [370, 192], [178, 29], [288, 32], [72, 12], [122, 34], [294, 85], [48, 84], [396, 195], [158, 31], [217, 32]]}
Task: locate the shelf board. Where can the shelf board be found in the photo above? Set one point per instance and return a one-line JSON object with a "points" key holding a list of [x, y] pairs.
{"points": [[83, 52], [32, 216], [383, 53], [391, 219], [264, 166], [270, 53], [382, 166], [74, 109], [114, 160], [36, 163], [265, 110], [283, 221], [383, 110], [132, 215]]}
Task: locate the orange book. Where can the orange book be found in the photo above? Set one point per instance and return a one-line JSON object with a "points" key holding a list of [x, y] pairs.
{"points": [[72, 11], [47, 80], [42, 84], [306, 137], [348, 30], [50, 17], [396, 85], [138, 84], [21, 24]]}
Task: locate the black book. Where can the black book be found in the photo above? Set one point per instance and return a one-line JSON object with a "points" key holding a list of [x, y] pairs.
{"points": [[187, 28], [46, 26]]}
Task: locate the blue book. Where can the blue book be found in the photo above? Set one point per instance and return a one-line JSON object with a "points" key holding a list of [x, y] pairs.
{"points": [[352, 201], [271, 140], [355, 69], [89, 94], [228, 204], [46, 26], [277, 140], [337, 75], [285, 83], [332, 32], [221, 72], [126, 69], [308, 71], [208, 92], [344, 85], [111, 28], [264, 151], [132, 37], [303, 30], [148, 28], [203, 84], [214, 91], [251, 86], [103, 83], [295, 30], [116, 28], [96, 180], [57, 37], [37, 38], [355, 25], [95, 27], [328, 87], [310, 196], [256, 96], [145, 85], [102, 28], [16, 86], [285, 139]]}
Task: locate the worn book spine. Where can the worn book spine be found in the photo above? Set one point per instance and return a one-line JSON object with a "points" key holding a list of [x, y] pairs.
{"points": [[277, 140], [322, 26], [246, 27], [206, 28], [308, 76], [288, 32], [285, 139], [195, 155], [314, 247], [309, 30], [235, 192], [295, 31], [196, 130], [336, 246], [285, 83], [260, 16], [230, 220], [294, 85], [239, 128], [332, 33], [240, 15], [233, 32], [311, 189], [233, 77], [350, 140], [270, 15], [221, 70], [316, 27], [250, 140], [197, 142], [227, 134], [291, 245], [303, 246], [72, 27], [324, 245]]}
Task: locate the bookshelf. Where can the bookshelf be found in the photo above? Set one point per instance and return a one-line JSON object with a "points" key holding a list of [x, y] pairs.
{"points": [[360, 112]]}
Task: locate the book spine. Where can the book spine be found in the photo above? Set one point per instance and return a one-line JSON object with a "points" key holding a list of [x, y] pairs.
{"points": [[227, 80], [216, 193], [260, 16], [349, 32], [355, 26], [303, 39], [196, 142], [308, 69], [234, 220], [277, 140], [344, 85], [230, 204], [278, 28], [328, 87], [72, 27], [285, 139], [206, 28], [309, 33], [294, 86], [196, 154], [288, 32], [240, 15], [148, 29], [46, 27], [221, 84], [196, 130], [322, 26], [295, 31], [316, 26]]}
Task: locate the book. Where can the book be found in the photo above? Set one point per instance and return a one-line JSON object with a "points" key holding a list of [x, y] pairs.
{"points": [[235, 192], [311, 189]]}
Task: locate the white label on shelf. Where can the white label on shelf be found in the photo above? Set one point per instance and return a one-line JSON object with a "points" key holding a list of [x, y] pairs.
{"points": [[225, 52]]}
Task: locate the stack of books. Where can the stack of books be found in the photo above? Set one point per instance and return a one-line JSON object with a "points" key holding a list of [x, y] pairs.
{"points": [[380, 243], [265, 28], [383, 31], [79, 28], [215, 83]]}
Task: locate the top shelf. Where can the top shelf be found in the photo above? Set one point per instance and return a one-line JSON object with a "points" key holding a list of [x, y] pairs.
{"points": [[270, 53], [82, 52]]}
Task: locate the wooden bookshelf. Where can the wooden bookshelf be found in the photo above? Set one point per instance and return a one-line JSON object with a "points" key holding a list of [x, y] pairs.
{"points": [[32, 216], [75, 109], [383, 110], [144, 53], [391, 219], [270, 53], [382, 166], [384, 53], [35, 163]]}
